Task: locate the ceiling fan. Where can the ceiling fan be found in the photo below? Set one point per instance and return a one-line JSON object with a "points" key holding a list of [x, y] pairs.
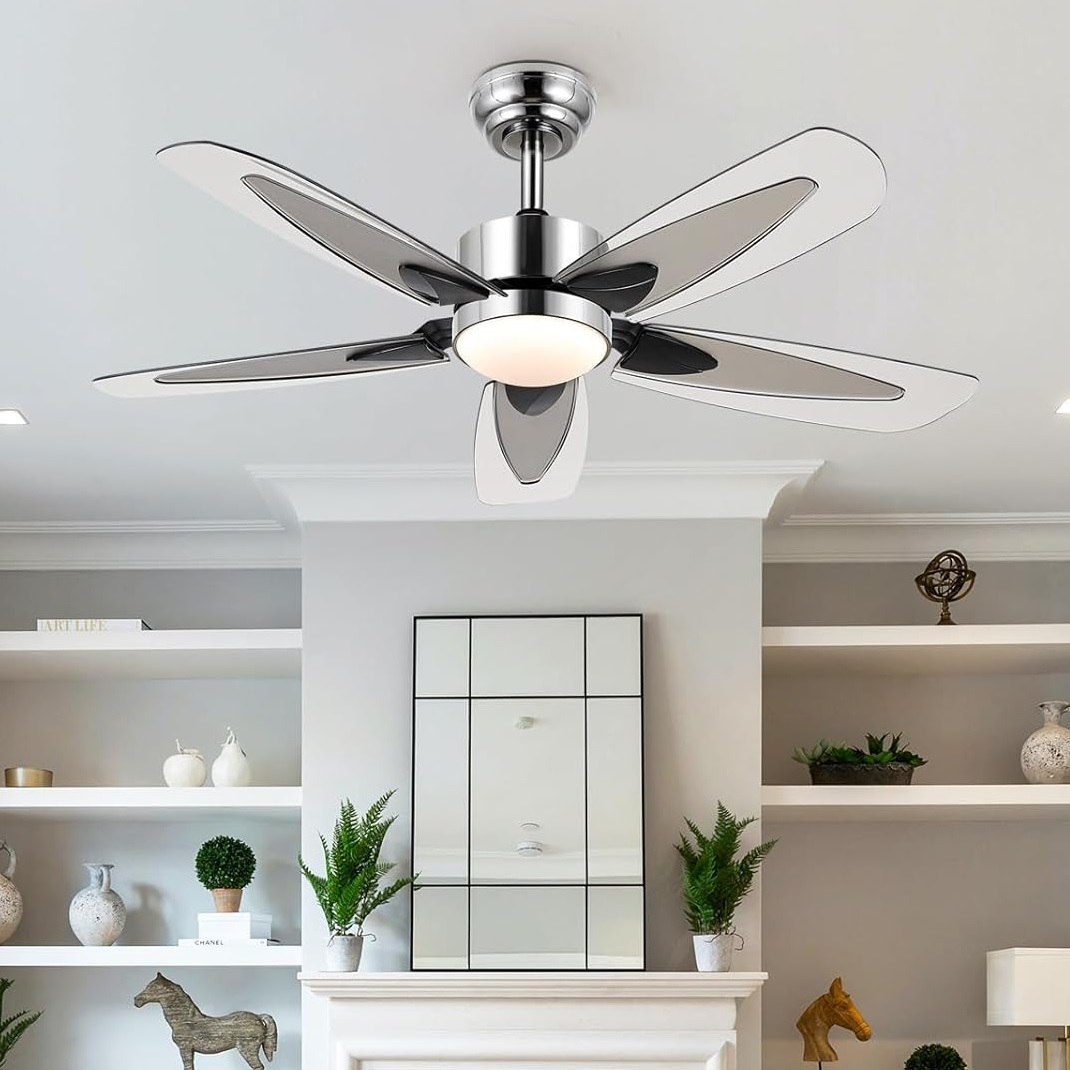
{"points": [[539, 301]]}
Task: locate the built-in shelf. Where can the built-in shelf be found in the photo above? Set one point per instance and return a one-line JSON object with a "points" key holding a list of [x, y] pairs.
{"points": [[171, 655], [917, 649], [151, 804], [917, 802], [152, 958]]}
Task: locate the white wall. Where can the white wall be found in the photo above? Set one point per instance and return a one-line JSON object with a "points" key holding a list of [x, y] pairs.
{"points": [[906, 911], [697, 582]]}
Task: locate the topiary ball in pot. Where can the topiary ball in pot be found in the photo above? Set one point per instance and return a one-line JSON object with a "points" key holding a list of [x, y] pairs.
{"points": [[225, 866], [935, 1057]]}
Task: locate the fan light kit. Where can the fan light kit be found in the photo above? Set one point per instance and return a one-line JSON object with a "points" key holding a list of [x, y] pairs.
{"points": [[539, 301]]}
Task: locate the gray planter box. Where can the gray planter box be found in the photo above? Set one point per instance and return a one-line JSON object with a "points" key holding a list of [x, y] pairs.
{"points": [[892, 773]]}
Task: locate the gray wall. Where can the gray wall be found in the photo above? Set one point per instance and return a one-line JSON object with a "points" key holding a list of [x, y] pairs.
{"points": [[698, 585], [906, 911]]}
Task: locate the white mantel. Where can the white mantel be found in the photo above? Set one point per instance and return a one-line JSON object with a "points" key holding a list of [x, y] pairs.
{"points": [[415, 1021]]}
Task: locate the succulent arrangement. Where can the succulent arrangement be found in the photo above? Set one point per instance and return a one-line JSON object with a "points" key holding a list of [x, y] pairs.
{"points": [[12, 1027], [879, 751], [715, 880], [224, 862], [935, 1057]]}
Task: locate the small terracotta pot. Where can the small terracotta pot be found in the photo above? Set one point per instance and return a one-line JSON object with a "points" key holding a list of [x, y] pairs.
{"points": [[227, 900]]}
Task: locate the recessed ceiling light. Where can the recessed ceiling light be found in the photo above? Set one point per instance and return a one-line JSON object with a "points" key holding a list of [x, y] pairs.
{"points": [[12, 417], [1064, 408]]}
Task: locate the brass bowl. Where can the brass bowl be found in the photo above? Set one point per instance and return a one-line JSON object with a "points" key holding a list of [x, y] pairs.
{"points": [[26, 776]]}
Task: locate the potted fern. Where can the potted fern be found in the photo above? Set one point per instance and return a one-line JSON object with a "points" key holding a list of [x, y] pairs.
{"points": [[716, 878], [350, 889], [12, 1028]]}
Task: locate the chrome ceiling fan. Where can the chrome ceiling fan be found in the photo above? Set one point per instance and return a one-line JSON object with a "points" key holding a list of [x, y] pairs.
{"points": [[539, 301]]}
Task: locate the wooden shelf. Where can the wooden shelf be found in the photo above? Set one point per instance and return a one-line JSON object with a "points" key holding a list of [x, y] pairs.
{"points": [[196, 654], [917, 802], [151, 804], [152, 958], [917, 649]]}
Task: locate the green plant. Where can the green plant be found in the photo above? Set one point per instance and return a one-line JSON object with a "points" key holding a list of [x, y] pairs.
{"points": [[935, 1057], [350, 888], [714, 879], [879, 751], [224, 862], [13, 1027]]}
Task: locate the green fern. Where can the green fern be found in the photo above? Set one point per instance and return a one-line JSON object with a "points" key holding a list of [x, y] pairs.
{"points": [[715, 881], [13, 1027], [350, 888]]}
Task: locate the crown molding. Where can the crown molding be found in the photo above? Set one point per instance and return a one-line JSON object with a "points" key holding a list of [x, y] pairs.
{"points": [[366, 493], [916, 537]]}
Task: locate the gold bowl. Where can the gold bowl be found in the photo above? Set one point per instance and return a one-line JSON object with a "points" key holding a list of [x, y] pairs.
{"points": [[26, 776]]}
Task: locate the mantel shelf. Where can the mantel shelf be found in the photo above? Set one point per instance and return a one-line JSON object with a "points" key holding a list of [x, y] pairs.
{"points": [[498, 985], [151, 957], [166, 655], [917, 649]]}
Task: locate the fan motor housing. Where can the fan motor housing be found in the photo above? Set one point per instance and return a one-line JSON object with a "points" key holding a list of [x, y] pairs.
{"points": [[526, 245]]}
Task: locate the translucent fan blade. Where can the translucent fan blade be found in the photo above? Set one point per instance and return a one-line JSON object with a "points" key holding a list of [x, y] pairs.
{"points": [[530, 442], [788, 380], [757, 215], [424, 347], [325, 224]]}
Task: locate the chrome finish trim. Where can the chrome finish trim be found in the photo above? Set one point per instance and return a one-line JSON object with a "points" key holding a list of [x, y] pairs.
{"points": [[531, 161], [525, 245], [553, 98]]}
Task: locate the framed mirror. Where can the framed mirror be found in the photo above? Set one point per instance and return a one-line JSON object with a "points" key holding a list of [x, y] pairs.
{"points": [[527, 825]]}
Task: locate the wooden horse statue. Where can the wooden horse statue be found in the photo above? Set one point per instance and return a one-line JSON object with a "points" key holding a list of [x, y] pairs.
{"points": [[197, 1033], [834, 1007]]}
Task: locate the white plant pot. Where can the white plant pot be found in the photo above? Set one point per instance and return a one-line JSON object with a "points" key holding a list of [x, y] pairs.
{"points": [[713, 951], [343, 953]]}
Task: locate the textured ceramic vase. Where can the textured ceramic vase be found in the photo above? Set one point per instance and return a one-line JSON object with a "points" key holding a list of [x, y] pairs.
{"points": [[231, 769], [713, 952], [185, 768], [10, 898], [1046, 753], [97, 914], [343, 953]]}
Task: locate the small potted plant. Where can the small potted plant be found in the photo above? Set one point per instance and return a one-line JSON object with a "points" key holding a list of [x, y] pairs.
{"points": [[882, 762], [935, 1057], [225, 866], [350, 889], [12, 1028], [715, 881]]}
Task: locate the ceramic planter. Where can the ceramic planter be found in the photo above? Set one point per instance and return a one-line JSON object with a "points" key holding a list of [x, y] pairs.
{"points": [[343, 953], [854, 773], [97, 914], [713, 951], [227, 900]]}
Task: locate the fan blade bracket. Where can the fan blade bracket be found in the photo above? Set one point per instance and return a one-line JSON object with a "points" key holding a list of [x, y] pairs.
{"points": [[440, 288], [616, 289]]}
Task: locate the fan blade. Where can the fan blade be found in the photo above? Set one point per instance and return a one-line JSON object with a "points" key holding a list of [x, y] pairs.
{"points": [[763, 212], [530, 442], [788, 380], [425, 346], [325, 224]]}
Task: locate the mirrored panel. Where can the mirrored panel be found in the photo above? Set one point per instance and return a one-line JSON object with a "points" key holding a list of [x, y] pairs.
{"points": [[528, 793]]}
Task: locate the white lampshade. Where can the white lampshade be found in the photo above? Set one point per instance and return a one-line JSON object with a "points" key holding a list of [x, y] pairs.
{"points": [[1029, 986]]}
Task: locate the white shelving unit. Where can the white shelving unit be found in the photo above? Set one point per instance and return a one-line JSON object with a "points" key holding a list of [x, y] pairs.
{"points": [[171, 655], [917, 649], [151, 804], [151, 957]]}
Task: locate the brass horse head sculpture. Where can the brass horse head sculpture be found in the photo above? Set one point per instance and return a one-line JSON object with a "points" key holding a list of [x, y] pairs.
{"points": [[834, 1007]]}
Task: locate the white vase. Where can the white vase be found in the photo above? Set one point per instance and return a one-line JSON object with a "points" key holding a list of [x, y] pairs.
{"points": [[185, 768], [97, 914], [343, 953], [231, 769], [713, 951], [10, 898], [1046, 753]]}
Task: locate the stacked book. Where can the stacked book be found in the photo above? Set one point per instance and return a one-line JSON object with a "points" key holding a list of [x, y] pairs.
{"points": [[228, 930]]}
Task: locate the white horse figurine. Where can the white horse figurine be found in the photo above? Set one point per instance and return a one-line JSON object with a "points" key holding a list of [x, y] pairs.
{"points": [[197, 1033]]}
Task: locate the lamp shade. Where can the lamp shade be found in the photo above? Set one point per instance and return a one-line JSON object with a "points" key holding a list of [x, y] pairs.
{"points": [[1029, 986]]}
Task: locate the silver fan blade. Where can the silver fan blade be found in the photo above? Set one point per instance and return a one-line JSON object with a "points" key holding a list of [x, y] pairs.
{"points": [[283, 369], [755, 216], [788, 380], [530, 442], [325, 224]]}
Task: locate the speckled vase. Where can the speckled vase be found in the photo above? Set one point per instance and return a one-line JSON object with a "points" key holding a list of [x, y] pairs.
{"points": [[97, 914], [10, 898], [1046, 753]]}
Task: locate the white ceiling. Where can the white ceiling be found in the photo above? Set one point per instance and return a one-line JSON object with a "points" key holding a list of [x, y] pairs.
{"points": [[109, 263]]}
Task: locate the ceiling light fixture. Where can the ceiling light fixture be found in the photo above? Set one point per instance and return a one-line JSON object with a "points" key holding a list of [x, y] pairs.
{"points": [[12, 418], [1064, 408]]}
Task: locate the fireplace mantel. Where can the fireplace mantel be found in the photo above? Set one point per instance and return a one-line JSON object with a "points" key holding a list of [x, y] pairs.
{"points": [[415, 1021]]}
